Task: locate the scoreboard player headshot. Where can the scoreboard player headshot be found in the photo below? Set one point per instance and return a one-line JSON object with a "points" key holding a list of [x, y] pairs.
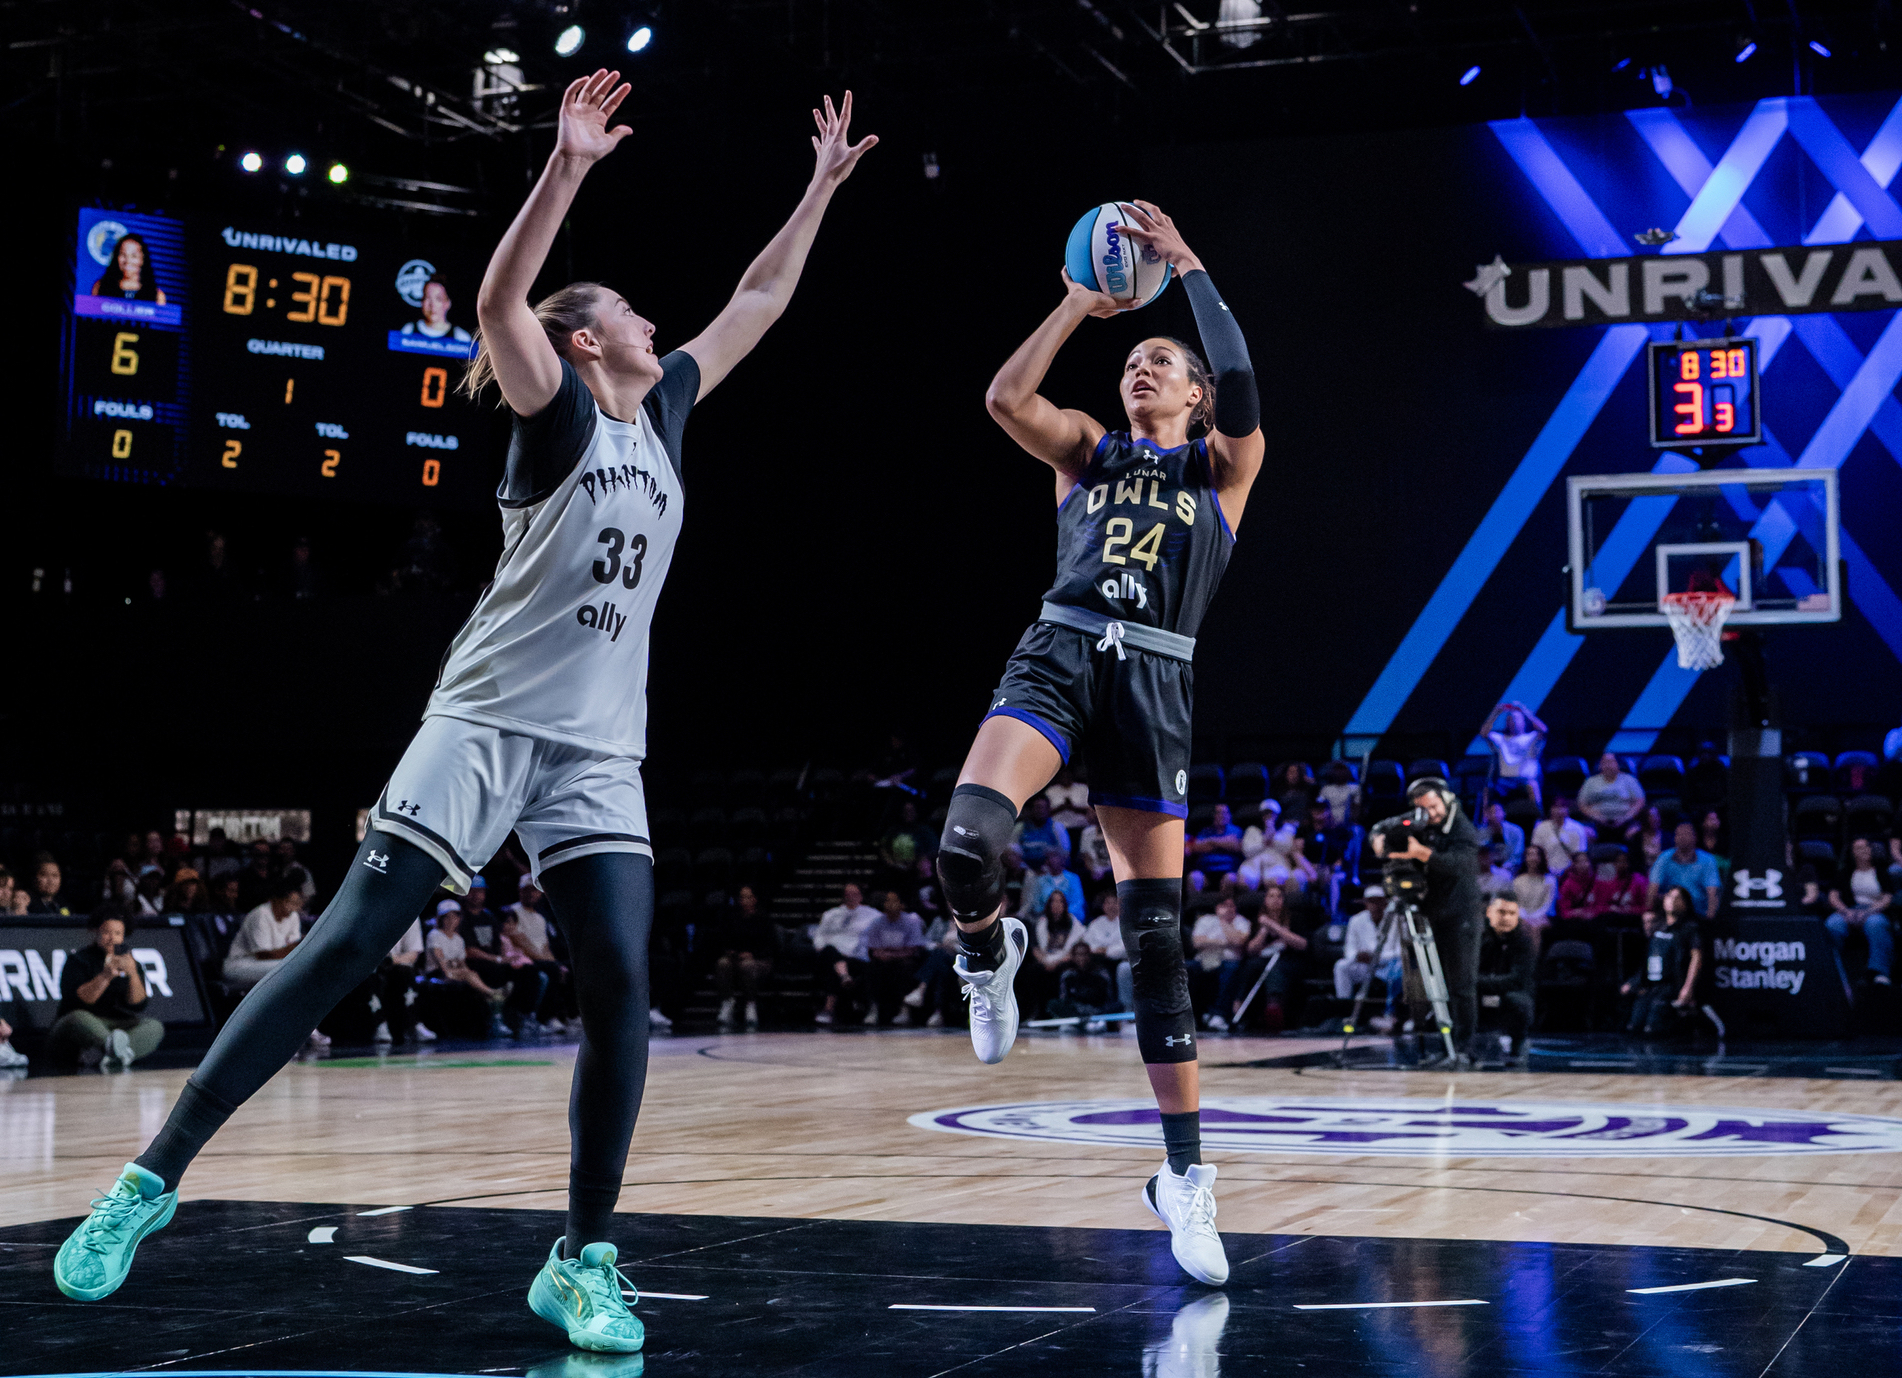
{"points": [[434, 322], [130, 273]]}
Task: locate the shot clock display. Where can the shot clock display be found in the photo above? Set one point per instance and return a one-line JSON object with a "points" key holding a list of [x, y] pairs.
{"points": [[267, 358], [1704, 392]]}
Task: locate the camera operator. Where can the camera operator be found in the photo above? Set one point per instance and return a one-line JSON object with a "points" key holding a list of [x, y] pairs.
{"points": [[1439, 837]]}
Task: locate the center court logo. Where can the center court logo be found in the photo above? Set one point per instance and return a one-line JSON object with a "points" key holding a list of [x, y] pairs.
{"points": [[1409, 1128]]}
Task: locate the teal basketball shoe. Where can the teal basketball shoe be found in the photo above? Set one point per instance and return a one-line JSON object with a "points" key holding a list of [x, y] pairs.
{"points": [[583, 1297], [96, 1257]]}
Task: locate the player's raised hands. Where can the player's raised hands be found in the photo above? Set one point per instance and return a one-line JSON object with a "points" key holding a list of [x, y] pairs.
{"points": [[832, 146], [1154, 230], [1090, 300], [586, 107]]}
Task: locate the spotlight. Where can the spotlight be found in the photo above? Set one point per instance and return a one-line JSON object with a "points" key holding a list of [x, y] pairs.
{"points": [[639, 39], [339, 174], [1818, 49], [251, 162], [568, 41], [1621, 64], [1745, 53], [295, 165], [1470, 75], [495, 57]]}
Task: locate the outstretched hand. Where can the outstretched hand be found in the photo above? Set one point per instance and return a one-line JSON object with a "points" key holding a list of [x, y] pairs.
{"points": [[836, 154], [1152, 229], [1100, 304], [585, 108]]}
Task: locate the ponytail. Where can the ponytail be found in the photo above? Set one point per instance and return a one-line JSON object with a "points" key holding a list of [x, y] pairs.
{"points": [[560, 313]]}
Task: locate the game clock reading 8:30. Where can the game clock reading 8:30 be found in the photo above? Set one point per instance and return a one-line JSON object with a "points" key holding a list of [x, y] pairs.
{"points": [[322, 298]]}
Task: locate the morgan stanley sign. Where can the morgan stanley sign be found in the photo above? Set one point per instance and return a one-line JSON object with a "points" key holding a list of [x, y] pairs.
{"points": [[1684, 287]]}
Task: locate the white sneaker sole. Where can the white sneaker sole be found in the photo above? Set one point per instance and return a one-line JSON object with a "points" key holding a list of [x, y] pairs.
{"points": [[1016, 948], [1206, 1279]]}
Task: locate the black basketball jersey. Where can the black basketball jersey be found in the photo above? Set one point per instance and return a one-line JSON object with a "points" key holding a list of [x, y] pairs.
{"points": [[1142, 539]]}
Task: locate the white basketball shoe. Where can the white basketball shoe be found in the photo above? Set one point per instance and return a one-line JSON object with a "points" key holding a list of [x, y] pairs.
{"points": [[1186, 1204], [993, 1001]]}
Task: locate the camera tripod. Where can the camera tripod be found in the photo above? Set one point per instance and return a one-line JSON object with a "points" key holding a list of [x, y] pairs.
{"points": [[1426, 962]]}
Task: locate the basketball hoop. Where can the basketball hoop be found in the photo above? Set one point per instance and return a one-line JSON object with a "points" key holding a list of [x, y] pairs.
{"points": [[1697, 621]]}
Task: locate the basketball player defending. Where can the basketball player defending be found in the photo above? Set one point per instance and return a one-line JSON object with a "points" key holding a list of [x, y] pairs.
{"points": [[538, 720], [1145, 519]]}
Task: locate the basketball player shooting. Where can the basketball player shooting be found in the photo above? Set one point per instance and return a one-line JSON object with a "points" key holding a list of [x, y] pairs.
{"points": [[1145, 520], [538, 719]]}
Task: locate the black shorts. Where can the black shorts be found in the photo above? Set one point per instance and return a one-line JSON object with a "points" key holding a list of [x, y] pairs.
{"points": [[1126, 720]]}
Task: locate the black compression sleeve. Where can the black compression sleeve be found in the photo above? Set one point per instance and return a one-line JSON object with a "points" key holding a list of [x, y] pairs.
{"points": [[1237, 405]]}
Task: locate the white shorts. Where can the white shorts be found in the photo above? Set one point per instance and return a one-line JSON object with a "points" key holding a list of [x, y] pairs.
{"points": [[461, 786]]}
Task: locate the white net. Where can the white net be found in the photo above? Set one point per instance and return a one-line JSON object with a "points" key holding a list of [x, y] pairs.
{"points": [[1697, 621]]}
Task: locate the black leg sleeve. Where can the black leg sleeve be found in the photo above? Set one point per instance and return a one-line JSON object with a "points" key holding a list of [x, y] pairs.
{"points": [[605, 904], [372, 907]]}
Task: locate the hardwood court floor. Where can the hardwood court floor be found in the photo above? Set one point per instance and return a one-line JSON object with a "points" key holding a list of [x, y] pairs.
{"points": [[815, 1126]]}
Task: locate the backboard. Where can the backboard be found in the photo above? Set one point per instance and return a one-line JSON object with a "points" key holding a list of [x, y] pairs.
{"points": [[1767, 536]]}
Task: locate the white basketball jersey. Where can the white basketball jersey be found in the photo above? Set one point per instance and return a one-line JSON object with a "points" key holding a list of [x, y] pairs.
{"points": [[557, 645]]}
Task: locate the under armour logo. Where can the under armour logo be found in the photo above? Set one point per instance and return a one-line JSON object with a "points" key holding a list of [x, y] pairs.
{"points": [[1173, 1039], [1769, 885], [412, 810], [378, 861], [962, 831]]}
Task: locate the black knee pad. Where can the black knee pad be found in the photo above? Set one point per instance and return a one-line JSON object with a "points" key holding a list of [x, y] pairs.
{"points": [[977, 829], [1152, 936]]}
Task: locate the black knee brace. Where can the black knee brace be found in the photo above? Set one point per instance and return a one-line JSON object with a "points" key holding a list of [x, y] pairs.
{"points": [[977, 829], [1152, 936]]}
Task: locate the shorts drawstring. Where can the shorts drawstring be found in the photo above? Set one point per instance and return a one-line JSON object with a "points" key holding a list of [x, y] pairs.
{"points": [[1113, 636]]}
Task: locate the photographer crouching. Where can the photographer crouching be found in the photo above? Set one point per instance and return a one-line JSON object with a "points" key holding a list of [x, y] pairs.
{"points": [[1427, 857]]}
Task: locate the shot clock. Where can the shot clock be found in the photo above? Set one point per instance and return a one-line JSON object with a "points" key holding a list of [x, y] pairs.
{"points": [[1704, 392], [281, 358]]}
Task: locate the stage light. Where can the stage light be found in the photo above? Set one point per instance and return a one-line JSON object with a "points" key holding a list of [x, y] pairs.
{"points": [[639, 39], [339, 174], [295, 165], [251, 162], [1745, 53], [1818, 49], [496, 57], [568, 41], [1621, 64], [1470, 75]]}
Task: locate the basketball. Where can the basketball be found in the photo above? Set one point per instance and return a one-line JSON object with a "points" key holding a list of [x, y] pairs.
{"points": [[1100, 256]]}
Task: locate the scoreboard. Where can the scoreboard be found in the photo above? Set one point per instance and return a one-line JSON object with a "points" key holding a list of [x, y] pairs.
{"points": [[1704, 392], [275, 358]]}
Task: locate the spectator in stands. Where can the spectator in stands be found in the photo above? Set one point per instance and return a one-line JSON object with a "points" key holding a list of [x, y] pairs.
{"points": [[1056, 931], [1578, 900], [1895, 851], [1216, 849], [531, 935], [1498, 830], [1508, 962], [1332, 848], [1364, 955], [1536, 891], [119, 885], [1861, 900], [21, 902], [1612, 797], [1069, 799], [1341, 793], [1489, 862], [528, 979], [1272, 855], [1688, 866], [1104, 934], [481, 927], [152, 856], [102, 1000], [220, 857], [254, 881], [1664, 994], [395, 985], [47, 883], [186, 893], [1083, 990], [1516, 748], [11, 1058], [284, 857], [1560, 836], [1220, 938], [838, 942], [1710, 837], [1645, 834], [1292, 789], [1621, 897], [894, 951], [267, 934], [149, 898], [937, 981], [1271, 938], [448, 952], [1037, 834], [1092, 850], [906, 842], [6, 891], [1054, 875]]}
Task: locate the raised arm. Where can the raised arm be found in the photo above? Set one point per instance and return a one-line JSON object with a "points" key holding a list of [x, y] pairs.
{"points": [[1062, 438], [767, 287], [526, 366]]}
